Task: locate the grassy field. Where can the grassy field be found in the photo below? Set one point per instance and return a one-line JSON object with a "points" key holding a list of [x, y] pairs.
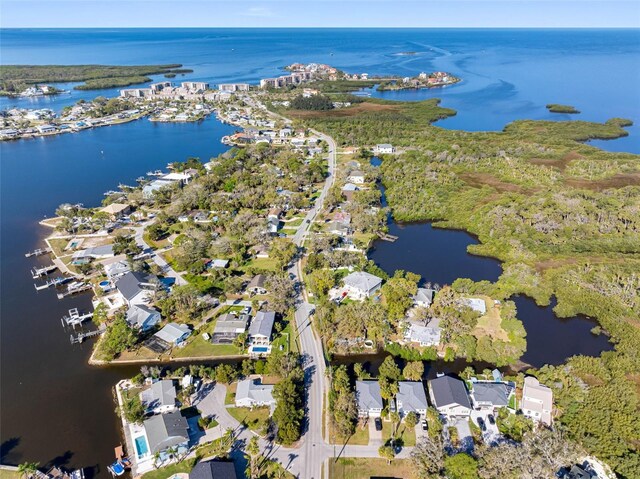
{"points": [[408, 435], [169, 471], [359, 438], [365, 468], [255, 418], [231, 393], [198, 347], [6, 474], [491, 323], [268, 264]]}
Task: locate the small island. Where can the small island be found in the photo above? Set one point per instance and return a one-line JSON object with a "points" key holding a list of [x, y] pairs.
{"points": [[557, 108]]}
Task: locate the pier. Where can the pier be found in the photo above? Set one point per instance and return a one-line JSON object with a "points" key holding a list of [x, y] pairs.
{"points": [[73, 288], [388, 237], [74, 318], [37, 252], [52, 282], [82, 336], [44, 271]]}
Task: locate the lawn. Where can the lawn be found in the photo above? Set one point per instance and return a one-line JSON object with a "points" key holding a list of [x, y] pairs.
{"points": [[364, 468], [359, 438], [198, 347], [268, 264], [6, 474], [255, 418], [230, 397], [491, 323], [408, 435], [169, 471]]}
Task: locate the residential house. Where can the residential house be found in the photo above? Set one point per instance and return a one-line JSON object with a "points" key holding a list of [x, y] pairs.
{"points": [[537, 401], [214, 469], [273, 225], [356, 177], [425, 336], [228, 327], [257, 284], [368, 398], [167, 432], [260, 333], [218, 263], [384, 149], [149, 189], [142, 317], [411, 397], [338, 228], [160, 397], [361, 285], [116, 267], [348, 190], [261, 251], [423, 297], [490, 395], [136, 287], [477, 304], [174, 334], [252, 393], [449, 396], [116, 210], [95, 252]]}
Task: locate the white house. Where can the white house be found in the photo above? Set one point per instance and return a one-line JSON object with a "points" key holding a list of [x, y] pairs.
{"points": [[160, 398], [174, 334], [257, 284], [142, 317], [537, 401], [490, 395], [136, 288], [424, 335], [165, 432], [411, 397], [356, 177], [477, 304], [449, 396], [423, 297], [260, 333], [368, 398], [384, 148], [361, 285], [252, 393]]}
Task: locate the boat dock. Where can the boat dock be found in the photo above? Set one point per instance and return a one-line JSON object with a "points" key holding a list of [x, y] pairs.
{"points": [[82, 336], [74, 318], [44, 271], [37, 252], [388, 237], [73, 288], [52, 282]]}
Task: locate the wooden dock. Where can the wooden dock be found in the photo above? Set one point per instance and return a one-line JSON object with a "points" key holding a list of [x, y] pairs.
{"points": [[37, 252], [82, 336], [388, 237]]}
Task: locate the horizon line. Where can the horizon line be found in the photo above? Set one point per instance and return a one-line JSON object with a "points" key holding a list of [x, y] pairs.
{"points": [[328, 28]]}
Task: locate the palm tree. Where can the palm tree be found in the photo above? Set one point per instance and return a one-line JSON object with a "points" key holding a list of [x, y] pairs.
{"points": [[28, 469]]}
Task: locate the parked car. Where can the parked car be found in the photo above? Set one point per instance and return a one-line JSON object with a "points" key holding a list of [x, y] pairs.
{"points": [[424, 425], [482, 425], [378, 423], [492, 420], [246, 310]]}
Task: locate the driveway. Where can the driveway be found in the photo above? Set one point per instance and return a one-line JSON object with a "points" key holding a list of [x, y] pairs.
{"points": [[492, 434], [465, 438], [375, 437]]}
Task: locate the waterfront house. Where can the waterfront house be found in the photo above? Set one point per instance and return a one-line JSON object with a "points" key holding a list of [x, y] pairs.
{"points": [[537, 401], [116, 267], [156, 185], [490, 395], [449, 396], [257, 284], [116, 210], [425, 336], [384, 149], [252, 393], [136, 287], [423, 297], [8, 133], [44, 129], [368, 398], [228, 327], [160, 397], [477, 304], [174, 334], [95, 252], [356, 177], [411, 397], [214, 469], [339, 229], [361, 285], [167, 432], [260, 333], [142, 317]]}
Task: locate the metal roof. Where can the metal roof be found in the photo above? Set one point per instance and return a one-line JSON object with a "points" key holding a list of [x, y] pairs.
{"points": [[411, 396], [166, 430], [262, 324], [368, 395], [448, 390]]}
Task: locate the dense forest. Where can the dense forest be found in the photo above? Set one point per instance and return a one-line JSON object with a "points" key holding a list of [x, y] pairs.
{"points": [[564, 217], [15, 78]]}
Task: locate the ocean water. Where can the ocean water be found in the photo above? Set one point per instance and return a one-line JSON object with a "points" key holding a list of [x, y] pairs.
{"points": [[56, 409]]}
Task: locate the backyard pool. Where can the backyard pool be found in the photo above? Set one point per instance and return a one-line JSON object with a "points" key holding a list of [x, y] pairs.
{"points": [[141, 446]]}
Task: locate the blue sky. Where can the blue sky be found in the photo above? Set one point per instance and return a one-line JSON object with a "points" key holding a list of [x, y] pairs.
{"points": [[319, 13]]}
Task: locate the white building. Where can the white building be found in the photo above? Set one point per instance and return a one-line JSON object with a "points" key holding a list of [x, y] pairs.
{"points": [[174, 334], [160, 398], [252, 393], [368, 398], [477, 304], [384, 148], [361, 285], [449, 396], [537, 401], [142, 317], [260, 333], [411, 397]]}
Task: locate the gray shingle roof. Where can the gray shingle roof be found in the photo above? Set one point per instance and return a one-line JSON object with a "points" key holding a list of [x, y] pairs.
{"points": [[161, 393], [447, 391], [172, 332], [139, 314], [368, 395], [424, 295], [495, 393], [257, 281], [213, 470], [131, 284], [262, 324], [362, 280], [166, 430], [411, 396]]}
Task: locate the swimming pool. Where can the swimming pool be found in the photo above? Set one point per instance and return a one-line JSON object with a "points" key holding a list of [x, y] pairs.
{"points": [[141, 446], [260, 349]]}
